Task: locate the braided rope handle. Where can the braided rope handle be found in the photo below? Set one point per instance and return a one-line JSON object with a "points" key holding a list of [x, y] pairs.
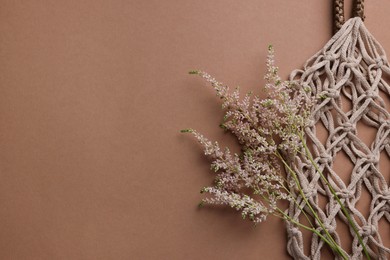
{"points": [[338, 10], [359, 9]]}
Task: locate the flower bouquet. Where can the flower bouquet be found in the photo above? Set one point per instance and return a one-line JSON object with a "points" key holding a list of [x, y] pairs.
{"points": [[271, 134]]}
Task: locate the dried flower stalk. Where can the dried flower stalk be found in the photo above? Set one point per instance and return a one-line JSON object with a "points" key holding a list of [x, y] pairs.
{"points": [[270, 132]]}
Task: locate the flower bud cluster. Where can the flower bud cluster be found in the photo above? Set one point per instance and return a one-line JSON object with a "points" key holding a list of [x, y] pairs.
{"points": [[253, 182]]}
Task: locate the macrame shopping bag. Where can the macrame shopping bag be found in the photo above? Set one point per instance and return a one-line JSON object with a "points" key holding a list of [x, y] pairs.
{"points": [[350, 77]]}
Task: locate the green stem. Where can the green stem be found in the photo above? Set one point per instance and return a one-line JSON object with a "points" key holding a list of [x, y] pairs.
{"points": [[333, 246], [344, 210], [312, 229], [291, 196], [299, 206], [305, 199]]}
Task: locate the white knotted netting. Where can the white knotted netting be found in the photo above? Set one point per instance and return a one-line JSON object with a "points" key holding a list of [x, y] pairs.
{"points": [[350, 75]]}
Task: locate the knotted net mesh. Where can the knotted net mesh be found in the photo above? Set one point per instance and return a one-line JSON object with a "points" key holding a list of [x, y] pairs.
{"points": [[349, 75]]}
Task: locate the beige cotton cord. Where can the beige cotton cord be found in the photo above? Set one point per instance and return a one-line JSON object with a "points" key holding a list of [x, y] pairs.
{"points": [[349, 72]]}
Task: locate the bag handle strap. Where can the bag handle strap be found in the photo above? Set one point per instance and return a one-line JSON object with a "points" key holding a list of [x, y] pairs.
{"points": [[338, 12]]}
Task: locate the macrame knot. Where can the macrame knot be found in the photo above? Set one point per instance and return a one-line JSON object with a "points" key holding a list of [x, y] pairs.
{"points": [[294, 232], [380, 62], [371, 159], [348, 127], [371, 94], [330, 56], [368, 230], [309, 192], [325, 159], [329, 228], [330, 93], [351, 62], [345, 194], [344, 141]]}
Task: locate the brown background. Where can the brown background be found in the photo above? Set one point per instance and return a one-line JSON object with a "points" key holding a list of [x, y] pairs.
{"points": [[93, 95]]}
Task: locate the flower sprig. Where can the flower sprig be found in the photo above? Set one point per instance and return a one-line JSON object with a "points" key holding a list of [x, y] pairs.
{"points": [[253, 181], [270, 132]]}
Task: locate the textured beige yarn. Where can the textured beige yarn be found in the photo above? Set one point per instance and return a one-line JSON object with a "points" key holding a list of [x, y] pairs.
{"points": [[350, 71]]}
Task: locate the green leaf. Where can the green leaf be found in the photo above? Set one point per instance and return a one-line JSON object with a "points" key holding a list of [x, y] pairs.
{"points": [[187, 130]]}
